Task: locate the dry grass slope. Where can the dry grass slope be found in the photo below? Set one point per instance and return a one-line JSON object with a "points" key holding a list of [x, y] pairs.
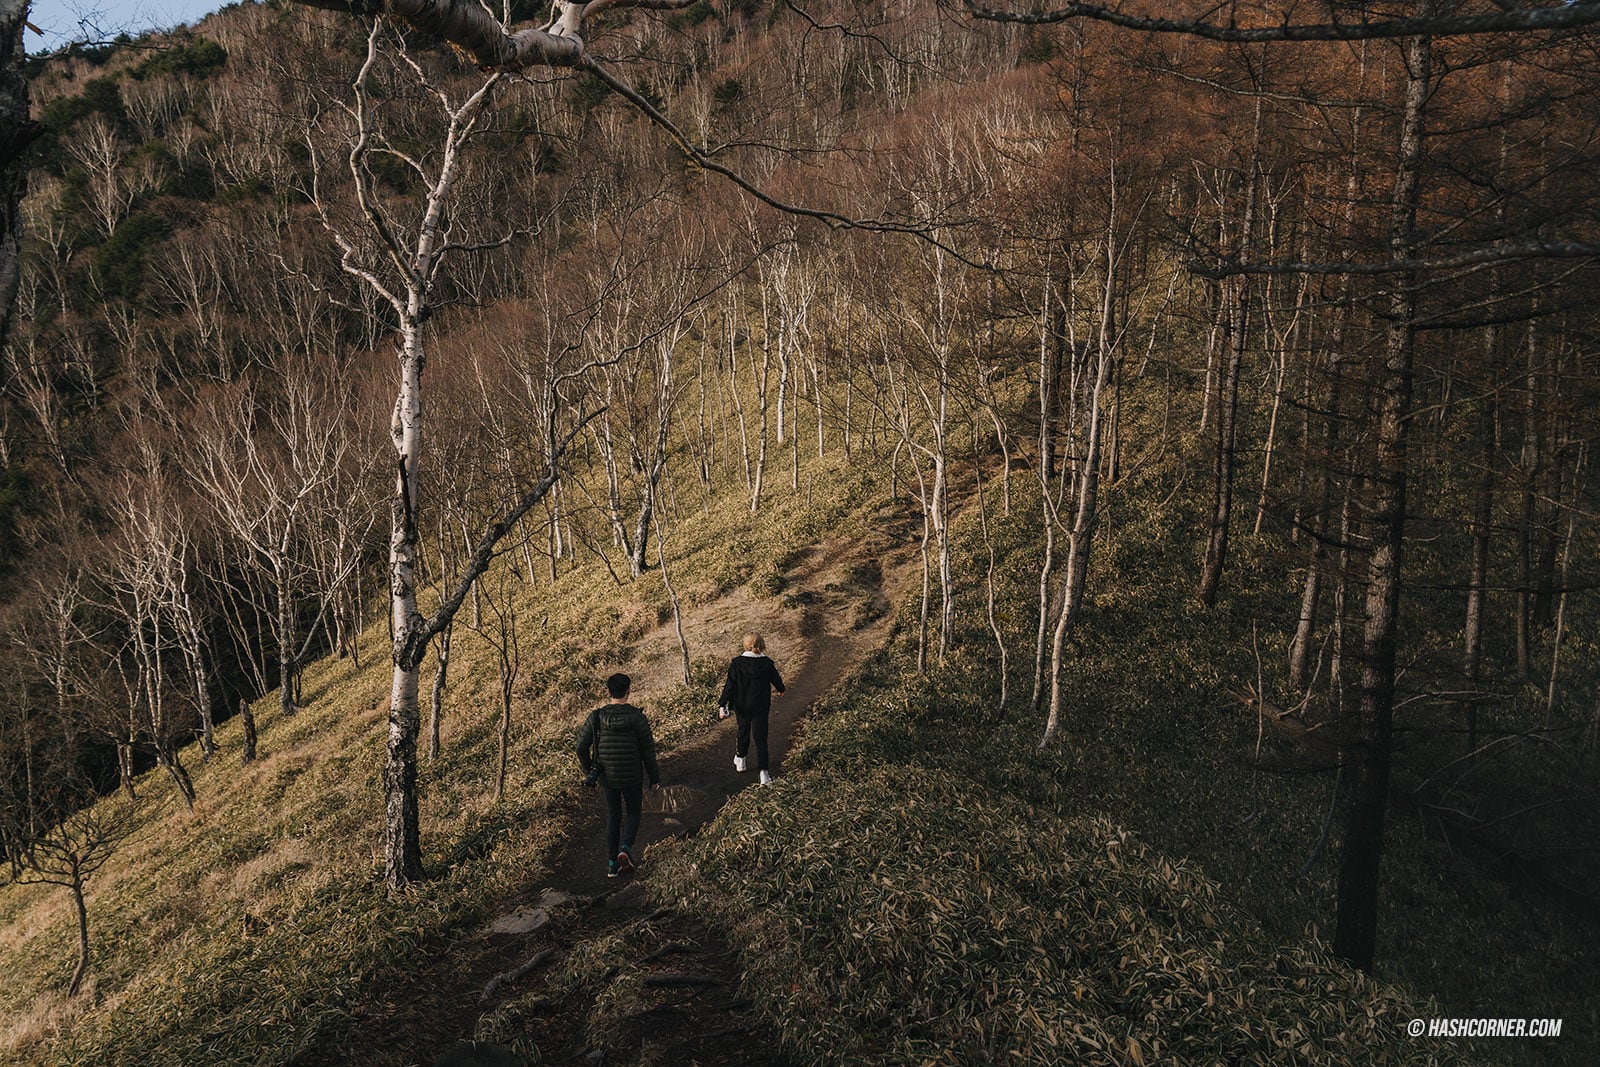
{"points": [[247, 931]]}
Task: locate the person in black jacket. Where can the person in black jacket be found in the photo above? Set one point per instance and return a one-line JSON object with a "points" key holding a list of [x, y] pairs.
{"points": [[614, 744], [748, 694]]}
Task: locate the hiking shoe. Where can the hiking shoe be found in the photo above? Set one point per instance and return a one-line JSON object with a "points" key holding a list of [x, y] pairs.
{"points": [[738, 764], [611, 869], [766, 778], [624, 861]]}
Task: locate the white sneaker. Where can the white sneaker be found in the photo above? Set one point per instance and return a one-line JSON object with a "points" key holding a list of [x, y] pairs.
{"points": [[766, 779], [738, 763]]}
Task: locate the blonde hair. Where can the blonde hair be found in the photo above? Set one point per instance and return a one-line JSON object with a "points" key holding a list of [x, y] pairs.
{"points": [[754, 642]]}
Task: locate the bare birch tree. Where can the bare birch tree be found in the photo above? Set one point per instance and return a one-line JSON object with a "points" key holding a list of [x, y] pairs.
{"points": [[281, 469], [397, 250], [1085, 473]]}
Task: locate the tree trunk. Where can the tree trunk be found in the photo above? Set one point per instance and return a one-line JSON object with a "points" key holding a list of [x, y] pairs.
{"points": [[1086, 516], [672, 595], [1280, 340], [927, 572], [125, 768], [738, 401], [1311, 592], [761, 447], [849, 398], [507, 681], [657, 460], [527, 558], [1478, 580], [83, 935], [553, 545], [167, 759], [1341, 601], [249, 731], [815, 368], [402, 836], [989, 594], [1355, 934], [1305, 628], [1235, 296], [286, 659], [941, 525], [17, 132], [1214, 334], [1544, 586], [608, 452], [637, 561], [1531, 454], [1223, 457], [195, 656], [704, 441], [1560, 620], [1049, 384], [781, 428], [1483, 509], [1272, 439], [436, 700], [1080, 539]]}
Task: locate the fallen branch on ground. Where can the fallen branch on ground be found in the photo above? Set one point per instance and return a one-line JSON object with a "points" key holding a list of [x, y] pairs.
{"points": [[507, 977]]}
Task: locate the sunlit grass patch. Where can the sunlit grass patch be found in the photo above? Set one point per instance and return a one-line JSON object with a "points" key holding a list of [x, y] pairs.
{"points": [[47, 1017]]}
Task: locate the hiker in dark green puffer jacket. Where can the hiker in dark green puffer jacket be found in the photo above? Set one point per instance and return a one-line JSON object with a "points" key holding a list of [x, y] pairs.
{"points": [[614, 745]]}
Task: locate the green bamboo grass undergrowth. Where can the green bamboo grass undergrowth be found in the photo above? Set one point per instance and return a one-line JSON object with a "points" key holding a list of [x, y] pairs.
{"points": [[1156, 738], [896, 916]]}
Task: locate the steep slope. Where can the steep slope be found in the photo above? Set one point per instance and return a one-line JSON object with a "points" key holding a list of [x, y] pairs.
{"points": [[252, 928], [256, 930]]}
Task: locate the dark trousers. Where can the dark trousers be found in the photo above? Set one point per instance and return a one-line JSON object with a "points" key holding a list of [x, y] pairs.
{"points": [[753, 726], [619, 831]]}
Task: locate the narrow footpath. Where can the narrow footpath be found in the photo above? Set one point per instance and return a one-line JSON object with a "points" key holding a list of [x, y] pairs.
{"points": [[679, 1003]]}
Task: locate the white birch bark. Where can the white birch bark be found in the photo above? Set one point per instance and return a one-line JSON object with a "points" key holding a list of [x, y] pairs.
{"points": [[402, 275], [472, 27]]}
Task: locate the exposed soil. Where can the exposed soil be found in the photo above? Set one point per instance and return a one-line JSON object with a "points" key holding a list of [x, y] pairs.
{"points": [[835, 609]]}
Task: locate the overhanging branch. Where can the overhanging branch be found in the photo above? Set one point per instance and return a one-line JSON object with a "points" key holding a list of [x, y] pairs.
{"points": [[469, 26], [1505, 19], [1488, 255], [483, 553], [703, 159]]}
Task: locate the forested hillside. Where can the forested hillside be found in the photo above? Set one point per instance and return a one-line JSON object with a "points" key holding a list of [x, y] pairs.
{"points": [[1226, 390]]}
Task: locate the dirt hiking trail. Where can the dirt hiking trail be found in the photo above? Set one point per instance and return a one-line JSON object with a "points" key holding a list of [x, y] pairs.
{"points": [[836, 608]]}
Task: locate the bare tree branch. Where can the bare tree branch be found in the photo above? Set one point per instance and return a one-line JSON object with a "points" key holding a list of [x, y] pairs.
{"points": [[703, 159], [1490, 254], [469, 25], [483, 554], [1508, 19], [851, 33]]}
